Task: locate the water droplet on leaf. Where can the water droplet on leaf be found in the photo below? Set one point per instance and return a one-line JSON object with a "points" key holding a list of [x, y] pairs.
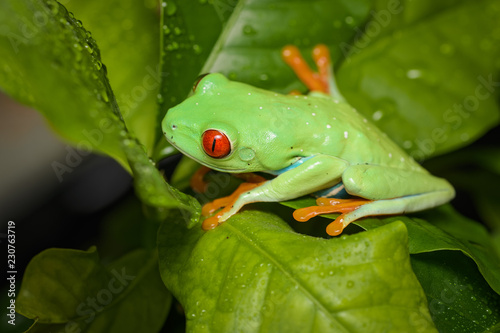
{"points": [[171, 8], [249, 30]]}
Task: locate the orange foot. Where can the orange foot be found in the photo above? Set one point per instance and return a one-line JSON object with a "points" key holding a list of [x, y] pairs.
{"points": [[226, 202], [314, 81], [328, 206]]}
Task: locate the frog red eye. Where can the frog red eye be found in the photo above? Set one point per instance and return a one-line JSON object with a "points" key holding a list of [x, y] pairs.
{"points": [[198, 79], [215, 143]]}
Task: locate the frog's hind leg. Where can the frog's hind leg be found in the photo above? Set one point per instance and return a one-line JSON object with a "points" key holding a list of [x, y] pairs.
{"points": [[329, 206], [407, 204], [354, 209], [323, 80]]}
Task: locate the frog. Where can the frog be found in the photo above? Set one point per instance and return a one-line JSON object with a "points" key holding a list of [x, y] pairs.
{"points": [[314, 144]]}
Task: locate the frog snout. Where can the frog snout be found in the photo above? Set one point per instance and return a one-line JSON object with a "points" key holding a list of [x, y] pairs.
{"points": [[168, 127]]}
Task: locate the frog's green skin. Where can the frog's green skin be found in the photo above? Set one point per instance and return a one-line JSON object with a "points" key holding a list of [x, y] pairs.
{"points": [[311, 142]]}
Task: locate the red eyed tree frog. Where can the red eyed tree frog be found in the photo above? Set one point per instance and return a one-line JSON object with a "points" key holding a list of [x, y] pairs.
{"points": [[315, 144]]}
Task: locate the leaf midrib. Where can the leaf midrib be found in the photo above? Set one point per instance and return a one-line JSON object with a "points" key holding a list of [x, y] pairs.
{"points": [[257, 246]]}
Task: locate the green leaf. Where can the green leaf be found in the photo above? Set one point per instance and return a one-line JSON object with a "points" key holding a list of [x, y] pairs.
{"points": [[188, 33], [438, 229], [444, 229], [476, 171], [128, 35], [70, 289], [254, 273], [427, 72], [249, 48], [76, 81], [459, 299], [50, 62], [152, 189]]}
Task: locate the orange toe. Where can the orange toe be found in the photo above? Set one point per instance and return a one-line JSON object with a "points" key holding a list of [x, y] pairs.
{"points": [[328, 206]]}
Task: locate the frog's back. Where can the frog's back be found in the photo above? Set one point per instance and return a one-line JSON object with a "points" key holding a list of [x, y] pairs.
{"points": [[342, 132]]}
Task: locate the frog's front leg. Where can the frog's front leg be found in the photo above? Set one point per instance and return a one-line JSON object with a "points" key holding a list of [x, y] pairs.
{"points": [[316, 173], [385, 190]]}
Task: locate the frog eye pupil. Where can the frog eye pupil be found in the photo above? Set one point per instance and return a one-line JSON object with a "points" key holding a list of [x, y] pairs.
{"points": [[216, 144], [197, 81]]}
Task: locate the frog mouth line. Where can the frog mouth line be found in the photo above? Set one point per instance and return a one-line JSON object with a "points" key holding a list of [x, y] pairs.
{"points": [[201, 162]]}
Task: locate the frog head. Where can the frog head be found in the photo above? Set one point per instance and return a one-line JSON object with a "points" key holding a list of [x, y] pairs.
{"points": [[225, 125]]}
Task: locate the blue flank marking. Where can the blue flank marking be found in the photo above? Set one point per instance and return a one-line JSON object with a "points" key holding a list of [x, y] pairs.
{"points": [[342, 194], [290, 167]]}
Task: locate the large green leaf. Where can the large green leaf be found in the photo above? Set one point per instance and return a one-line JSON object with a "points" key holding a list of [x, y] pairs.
{"points": [[459, 299], [249, 48], [427, 72], [70, 289], [128, 34], [254, 274], [439, 229], [74, 94], [51, 62], [152, 189]]}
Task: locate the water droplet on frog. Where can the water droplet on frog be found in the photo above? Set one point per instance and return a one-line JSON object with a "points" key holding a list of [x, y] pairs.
{"points": [[263, 77], [249, 30], [98, 65], [88, 34], [79, 23], [350, 284]]}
